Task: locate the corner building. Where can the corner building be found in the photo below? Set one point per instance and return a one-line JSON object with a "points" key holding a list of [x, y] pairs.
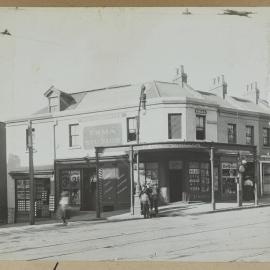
{"points": [[178, 128]]}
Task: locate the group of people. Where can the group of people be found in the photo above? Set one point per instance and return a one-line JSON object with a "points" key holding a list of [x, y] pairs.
{"points": [[149, 200]]}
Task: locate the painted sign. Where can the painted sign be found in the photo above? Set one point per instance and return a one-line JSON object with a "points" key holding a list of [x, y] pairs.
{"points": [[103, 135]]}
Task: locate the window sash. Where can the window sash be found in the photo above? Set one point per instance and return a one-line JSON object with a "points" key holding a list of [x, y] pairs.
{"points": [[53, 101], [249, 135], [200, 127], [231, 133], [175, 126], [131, 129], [73, 135], [266, 137]]}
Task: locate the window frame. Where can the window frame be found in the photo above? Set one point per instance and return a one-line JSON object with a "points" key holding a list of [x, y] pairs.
{"points": [[203, 128], [234, 141], [250, 136], [54, 106], [170, 137], [267, 137], [134, 129], [71, 136]]}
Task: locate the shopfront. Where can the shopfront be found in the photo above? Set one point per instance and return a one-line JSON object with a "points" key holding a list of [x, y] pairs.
{"points": [[265, 175], [79, 179], [183, 170], [43, 183]]}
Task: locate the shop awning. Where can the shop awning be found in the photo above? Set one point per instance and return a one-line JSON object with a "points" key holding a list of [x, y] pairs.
{"points": [[39, 172]]}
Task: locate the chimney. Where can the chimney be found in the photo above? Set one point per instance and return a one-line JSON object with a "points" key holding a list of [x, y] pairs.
{"points": [[252, 92], [180, 77], [219, 86]]}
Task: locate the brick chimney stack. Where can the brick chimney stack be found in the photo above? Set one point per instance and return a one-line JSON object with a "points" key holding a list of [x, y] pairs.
{"points": [[252, 92], [219, 86], [181, 76]]}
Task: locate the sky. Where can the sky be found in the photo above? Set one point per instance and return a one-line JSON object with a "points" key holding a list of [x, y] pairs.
{"points": [[77, 49]]}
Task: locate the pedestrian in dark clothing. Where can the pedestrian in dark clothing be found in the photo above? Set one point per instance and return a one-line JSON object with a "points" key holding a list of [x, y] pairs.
{"points": [[154, 198], [145, 200]]}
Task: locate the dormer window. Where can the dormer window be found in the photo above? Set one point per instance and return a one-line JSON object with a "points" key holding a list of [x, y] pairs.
{"points": [[58, 100], [53, 104]]}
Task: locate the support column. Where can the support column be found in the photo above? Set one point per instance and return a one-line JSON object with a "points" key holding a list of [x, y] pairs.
{"points": [[213, 202], [31, 173], [255, 178], [137, 203], [97, 186], [131, 180]]}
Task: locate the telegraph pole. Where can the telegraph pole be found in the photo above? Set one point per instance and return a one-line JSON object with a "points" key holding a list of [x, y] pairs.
{"points": [[31, 173], [212, 180], [98, 186], [241, 170]]}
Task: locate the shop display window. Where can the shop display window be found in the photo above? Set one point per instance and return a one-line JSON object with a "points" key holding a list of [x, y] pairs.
{"points": [[70, 182], [148, 173], [151, 173], [199, 179], [42, 191], [229, 177]]}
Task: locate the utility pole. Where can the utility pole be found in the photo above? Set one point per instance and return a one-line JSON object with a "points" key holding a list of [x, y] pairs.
{"points": [[255, 178], [213, 202], [131, 180], [98, 187], [31, 173], [241, 170], [142, 103]]}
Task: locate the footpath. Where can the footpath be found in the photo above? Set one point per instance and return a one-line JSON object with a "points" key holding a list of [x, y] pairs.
{"points": [[170, 210]]}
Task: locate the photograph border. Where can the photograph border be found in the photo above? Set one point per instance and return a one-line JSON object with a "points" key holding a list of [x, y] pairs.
{"points": [[132, 265]]}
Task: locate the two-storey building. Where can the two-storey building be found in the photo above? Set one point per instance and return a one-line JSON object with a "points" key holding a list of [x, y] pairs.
{"points": [[183, 132]]}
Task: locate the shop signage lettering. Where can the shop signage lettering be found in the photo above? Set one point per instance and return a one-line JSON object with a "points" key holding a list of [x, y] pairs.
{"points": [[194, 171], [104, 135], [227, 165], [168, 146], [200, 111]]}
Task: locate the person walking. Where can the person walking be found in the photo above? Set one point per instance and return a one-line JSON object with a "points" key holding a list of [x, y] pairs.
{"points": [[154, 198], [63, 206], [145, 201]]}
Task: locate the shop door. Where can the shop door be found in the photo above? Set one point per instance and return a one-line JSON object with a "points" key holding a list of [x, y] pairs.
{"points": [[176, 185], [89, 190]]}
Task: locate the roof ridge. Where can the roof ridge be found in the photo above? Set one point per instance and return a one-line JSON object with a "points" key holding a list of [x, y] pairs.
{"points": [[100, 89]]}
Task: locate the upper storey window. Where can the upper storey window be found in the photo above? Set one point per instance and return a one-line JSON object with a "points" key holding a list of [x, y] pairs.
{"points": [[174, 125], [231, 133], [53, 104], [200, 127]]}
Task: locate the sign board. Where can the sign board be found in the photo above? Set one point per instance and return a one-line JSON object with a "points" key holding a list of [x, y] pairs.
{"points": [[175, 164], [229, 165], [102, 135], [200, 111]]}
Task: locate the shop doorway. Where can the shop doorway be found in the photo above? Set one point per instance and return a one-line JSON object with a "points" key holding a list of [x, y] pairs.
{"points": [[176, 185], [89, 190]]}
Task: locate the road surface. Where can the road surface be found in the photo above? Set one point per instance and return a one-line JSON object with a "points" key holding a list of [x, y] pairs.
{"points": [[242, 235]]}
